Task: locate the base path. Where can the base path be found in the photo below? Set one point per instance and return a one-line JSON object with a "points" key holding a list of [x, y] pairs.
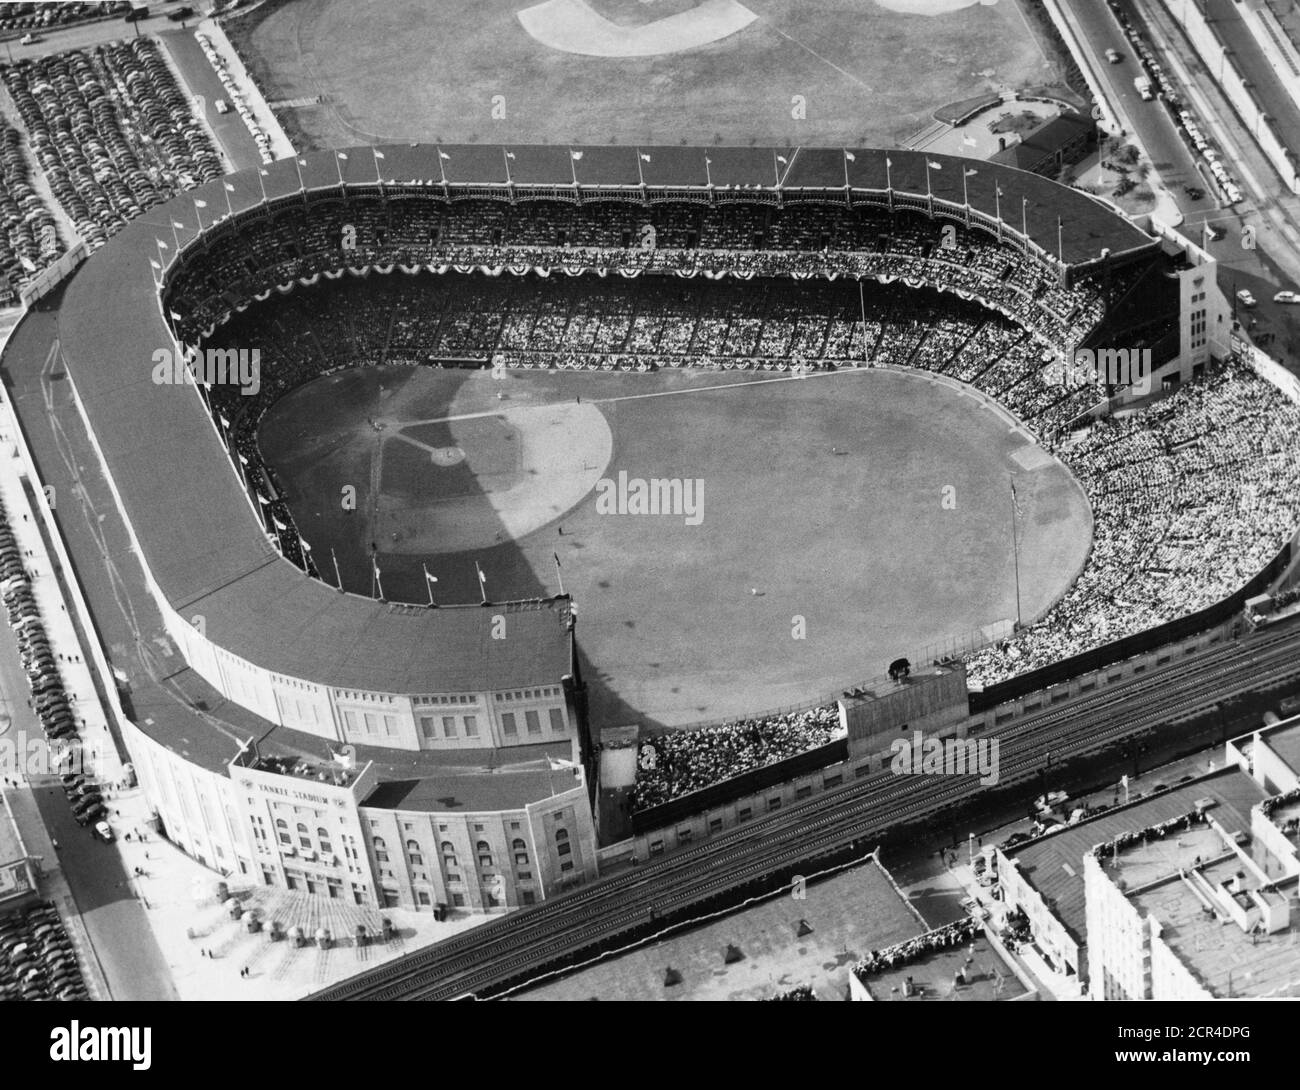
{"points": [[570, 26]]}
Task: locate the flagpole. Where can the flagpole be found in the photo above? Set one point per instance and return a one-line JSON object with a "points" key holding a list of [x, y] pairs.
{"points": [[428, 581], [505, 157], [862, 303], [337, 576], [1015, 546], [640, 176], [708, 174], [261, 184], [1024, 221], [1060, 241], [198, 215], [338, 162], [558, 574], [997, 205], [482, 583], [889, 183], [175, 237], [230, 210], [573, 168], [297, 165], [379, 174]]}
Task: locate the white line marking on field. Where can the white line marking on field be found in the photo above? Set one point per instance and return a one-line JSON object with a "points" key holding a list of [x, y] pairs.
{"points": [[832, 64]]}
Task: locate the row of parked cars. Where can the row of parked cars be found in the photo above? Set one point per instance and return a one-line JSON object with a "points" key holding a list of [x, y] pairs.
{"points": [[111, 131], [48, 16], [49, 699], [218, 63], [37, 960]]}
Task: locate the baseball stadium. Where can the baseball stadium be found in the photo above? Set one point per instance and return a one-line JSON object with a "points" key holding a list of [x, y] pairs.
{"points": [[420, 469]]}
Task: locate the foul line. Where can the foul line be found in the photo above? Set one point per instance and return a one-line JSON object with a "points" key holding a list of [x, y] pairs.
{"points": [[832, 64]]}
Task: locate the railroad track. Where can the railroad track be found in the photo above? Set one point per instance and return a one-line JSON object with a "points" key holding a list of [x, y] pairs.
{"points": [[515, 950]]}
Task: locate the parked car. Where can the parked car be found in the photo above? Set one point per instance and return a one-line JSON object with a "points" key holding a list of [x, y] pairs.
{"points": [[1245, 298], [1114, 56], [1287, 297], [104, 832]]}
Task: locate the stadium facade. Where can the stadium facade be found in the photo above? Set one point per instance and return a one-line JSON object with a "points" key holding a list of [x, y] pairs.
{"points": [[487, 699]]}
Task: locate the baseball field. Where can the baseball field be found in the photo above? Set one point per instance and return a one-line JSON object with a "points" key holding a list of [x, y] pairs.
{"points": [[788, 72], [803, 532]]}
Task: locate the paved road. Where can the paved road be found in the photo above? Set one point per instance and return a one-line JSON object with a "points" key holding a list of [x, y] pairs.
{"points": [[201, 79], [1152, 125], [85, 35], [115, 920]]}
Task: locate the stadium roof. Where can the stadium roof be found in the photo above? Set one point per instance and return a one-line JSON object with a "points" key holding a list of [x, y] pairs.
{"points": [[1026, 199], [194, 524], [203, 543]]}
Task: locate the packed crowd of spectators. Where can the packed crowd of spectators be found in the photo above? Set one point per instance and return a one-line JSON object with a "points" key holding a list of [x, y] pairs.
{"points": [[1191, 497], [678, 762], [298, 242], [111, 132], [37, 961], [903, 953]]}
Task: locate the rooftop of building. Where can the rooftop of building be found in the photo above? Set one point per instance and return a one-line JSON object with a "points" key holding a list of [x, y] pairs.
{"points": [[934, 976], [848, 915], [1053, 864], [1225, 959]]}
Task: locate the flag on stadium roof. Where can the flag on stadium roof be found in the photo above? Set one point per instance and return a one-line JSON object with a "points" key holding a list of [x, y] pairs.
{"points": [[243, 460], [933, 165], [430, 578], [850, 156], [178, 226], [225, 424], [971, 173], [782, 159], [229, 188], [342, 154], [576, 155], [378, 154], [155, 264], [302, 542], [278, 524], [174, 316], [557, 560], [645, 157], [442, 154], [969, 141], [263, 500], [510, 155], [200, 204]]}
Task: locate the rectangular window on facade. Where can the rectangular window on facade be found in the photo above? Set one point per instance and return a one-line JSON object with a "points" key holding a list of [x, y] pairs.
{"points": [[566, 866], [423, 898], [656, 848], [471, 726], [508, 727], [426, 726], [563, 849], [533, 722], [557, 720], [458, 899], [449, 726], [715, 825], [527, 897], [372, 723], [350, 722]]}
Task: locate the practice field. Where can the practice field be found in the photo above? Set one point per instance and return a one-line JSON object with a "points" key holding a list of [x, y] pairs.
{"points": [[667, 71], [818, 527]]}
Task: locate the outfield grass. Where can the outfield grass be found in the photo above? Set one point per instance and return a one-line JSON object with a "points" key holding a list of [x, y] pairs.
{"points": [[823, 494], [416, 70]]}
